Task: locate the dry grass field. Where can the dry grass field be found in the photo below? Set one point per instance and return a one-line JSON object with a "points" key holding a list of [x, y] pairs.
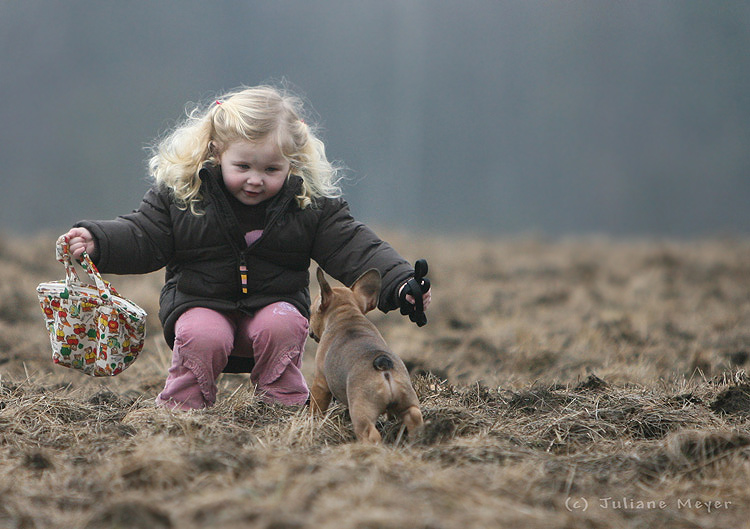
{"points": [[582, 383]]}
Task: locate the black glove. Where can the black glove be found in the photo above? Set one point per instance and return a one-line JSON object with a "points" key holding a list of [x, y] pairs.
{"points": [[416, 287]]}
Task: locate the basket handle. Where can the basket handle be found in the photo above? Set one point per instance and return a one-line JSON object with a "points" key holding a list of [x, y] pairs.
{"points": [[62, 251]]}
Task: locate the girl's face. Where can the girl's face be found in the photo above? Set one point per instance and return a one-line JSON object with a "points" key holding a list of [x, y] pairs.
{"points": [[253, 171]]}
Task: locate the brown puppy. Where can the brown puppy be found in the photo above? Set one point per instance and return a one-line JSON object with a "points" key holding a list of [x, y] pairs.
{"points": [[353, 362]]}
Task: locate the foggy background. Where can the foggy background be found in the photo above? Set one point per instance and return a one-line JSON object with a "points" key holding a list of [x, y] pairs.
{"points": [[493, 117]]}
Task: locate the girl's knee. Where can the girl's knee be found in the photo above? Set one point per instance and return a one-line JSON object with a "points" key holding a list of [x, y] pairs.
{"points": [[203, 343], [204, 332], [280, 322]]}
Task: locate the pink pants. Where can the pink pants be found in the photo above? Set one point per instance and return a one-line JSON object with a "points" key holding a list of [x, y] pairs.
{"points": [[274, 337]]}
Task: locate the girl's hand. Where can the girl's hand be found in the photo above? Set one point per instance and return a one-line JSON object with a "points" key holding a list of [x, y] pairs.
{"points": [[426, 297], [80, 239]]}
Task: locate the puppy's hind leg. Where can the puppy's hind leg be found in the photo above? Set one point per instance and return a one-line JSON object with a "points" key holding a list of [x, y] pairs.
{"points": [[364, 415]]}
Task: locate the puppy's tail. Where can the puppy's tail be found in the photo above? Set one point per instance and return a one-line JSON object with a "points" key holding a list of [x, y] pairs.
{"points": [[382, 363]]}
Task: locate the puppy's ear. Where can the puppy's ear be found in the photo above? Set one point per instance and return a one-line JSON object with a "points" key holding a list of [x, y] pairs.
{"points": [[367, 289], [325, 289]]}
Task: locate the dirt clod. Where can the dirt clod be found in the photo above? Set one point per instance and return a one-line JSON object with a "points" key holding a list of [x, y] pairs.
{"points": [[734, 400]]}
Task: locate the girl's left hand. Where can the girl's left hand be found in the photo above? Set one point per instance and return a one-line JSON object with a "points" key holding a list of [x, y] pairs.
{"points": [[426, 297]]}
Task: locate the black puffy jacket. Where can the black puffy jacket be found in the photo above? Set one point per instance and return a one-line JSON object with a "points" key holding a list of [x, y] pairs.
{"points": [[203, 254]]}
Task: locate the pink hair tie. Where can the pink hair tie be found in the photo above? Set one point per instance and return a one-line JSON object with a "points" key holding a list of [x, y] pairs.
{"points": [[218, 102]]}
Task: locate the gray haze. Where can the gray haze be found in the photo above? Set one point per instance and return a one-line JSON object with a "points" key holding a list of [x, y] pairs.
{"points": [[499, 117]]}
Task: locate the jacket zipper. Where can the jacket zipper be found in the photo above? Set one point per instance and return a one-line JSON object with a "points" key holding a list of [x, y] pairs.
{"points": [[243, 273]]}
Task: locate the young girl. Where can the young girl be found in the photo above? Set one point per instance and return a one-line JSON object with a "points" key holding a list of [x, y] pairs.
{"points": [[243, 198]]}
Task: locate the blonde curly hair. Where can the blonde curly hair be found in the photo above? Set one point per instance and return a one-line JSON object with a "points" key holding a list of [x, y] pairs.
{"points": [[249, 113]]}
